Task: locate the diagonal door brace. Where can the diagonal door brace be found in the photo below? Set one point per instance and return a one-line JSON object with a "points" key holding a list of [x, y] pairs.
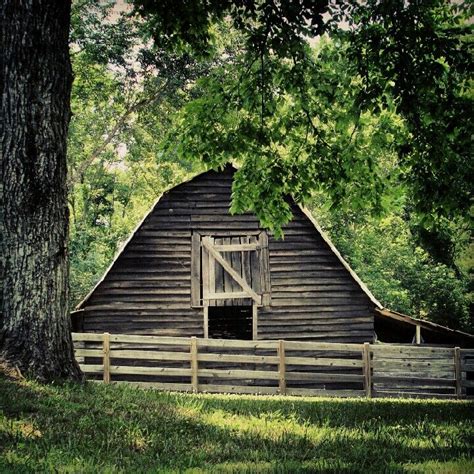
{"points": [[257, 298]]}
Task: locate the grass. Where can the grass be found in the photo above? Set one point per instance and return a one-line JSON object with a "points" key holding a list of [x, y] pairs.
{"points": [[97, 428]]}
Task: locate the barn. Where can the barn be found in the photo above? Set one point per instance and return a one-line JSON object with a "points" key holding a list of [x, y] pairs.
{"points": [[192, 269]]}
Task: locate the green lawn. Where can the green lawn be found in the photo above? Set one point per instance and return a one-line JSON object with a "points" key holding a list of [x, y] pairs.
{"points": [[97, 428]]}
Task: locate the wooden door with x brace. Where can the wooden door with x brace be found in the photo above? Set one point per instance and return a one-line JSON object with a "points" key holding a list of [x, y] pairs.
{"points": [[230, 272]]}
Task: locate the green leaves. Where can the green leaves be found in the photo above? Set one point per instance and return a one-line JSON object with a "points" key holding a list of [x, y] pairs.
{"points": [[421, 54], [387, 256], [293, 127]]}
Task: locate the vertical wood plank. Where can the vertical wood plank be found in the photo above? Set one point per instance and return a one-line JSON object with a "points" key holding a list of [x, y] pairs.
{"points": [[281, 367], [219, 277], [367, 370], [246, 270], [205, 274], [255, 268], [457, 371], [264, 269], [194, 365], [236, 263], [418, 334], [212, 274], [228, 280], [106, 356], [206, 322], [196, 269], [254, 322]]}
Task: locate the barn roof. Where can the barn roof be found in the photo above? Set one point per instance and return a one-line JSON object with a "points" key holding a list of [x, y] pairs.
{"points": [[307, 213], [434, 328]]}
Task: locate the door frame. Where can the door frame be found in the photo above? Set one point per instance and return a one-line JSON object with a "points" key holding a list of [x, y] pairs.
{"points": [[254, 321]]}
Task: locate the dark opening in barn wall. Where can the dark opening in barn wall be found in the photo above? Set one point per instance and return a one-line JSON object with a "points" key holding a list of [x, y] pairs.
{"points": [[230, 322]]}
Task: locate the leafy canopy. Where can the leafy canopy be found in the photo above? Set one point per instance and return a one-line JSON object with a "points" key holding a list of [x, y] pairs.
{"points": [[409, 57]]}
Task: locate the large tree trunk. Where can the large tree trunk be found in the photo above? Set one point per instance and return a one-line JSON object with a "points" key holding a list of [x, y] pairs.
{"points": [[35, 83]]}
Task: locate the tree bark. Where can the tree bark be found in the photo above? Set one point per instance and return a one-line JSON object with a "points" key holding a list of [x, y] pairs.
{"points": [[36, 79]]}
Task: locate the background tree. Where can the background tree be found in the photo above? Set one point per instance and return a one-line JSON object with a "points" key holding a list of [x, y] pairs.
{"points": [[123, 99]]}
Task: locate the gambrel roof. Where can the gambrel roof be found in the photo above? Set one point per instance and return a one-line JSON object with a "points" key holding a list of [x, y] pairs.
{"points": [[306, 212]]}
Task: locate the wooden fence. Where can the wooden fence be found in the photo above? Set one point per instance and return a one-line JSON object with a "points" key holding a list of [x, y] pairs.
{"points": [[276, 367]]}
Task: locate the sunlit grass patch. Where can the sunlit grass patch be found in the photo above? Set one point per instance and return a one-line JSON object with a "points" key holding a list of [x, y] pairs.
{"points": [[97, 428]]}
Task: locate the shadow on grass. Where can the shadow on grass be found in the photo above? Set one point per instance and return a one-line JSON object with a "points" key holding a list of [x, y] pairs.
{"points": [[94, 428]]}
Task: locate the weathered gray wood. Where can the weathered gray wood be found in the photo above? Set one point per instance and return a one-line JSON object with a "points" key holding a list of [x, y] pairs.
{"points": [[184, 341], [155, 371], [457, 371], [87, 337], [194, 365], [92, 368], [229, 284], [265, 269], [212, 274], [326, 364], [206, 321], [236, 264], [238, 374], [321, 346], [254, 322], [418, 334], [227, 296], [323, 377], [245, 256], [367, 370], [219, 279], [281, 367], [88, 352], [212, 388], [232, 272], [205, 272], [237, 358], [236, 344], [323, 362], [106, 356], [154, 280], [411, 378], [196, 270], [413, 363], [235, 247], [148, 355], [412, 351]]}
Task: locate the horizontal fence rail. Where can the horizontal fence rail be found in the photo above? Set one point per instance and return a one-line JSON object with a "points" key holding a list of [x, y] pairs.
{"points": [[276, 367]]}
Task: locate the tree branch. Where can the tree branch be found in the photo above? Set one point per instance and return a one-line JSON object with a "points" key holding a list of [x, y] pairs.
{"points": [[78, 175]]}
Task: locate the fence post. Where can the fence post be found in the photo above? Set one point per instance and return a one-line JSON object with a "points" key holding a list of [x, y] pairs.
{"points": [[194, 365], [106, 356], [457, 371], [418, 334], [281, 367], [367, 370]]}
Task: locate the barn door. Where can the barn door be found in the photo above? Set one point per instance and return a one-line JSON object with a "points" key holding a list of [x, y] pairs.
{"points": [[232, 271]]}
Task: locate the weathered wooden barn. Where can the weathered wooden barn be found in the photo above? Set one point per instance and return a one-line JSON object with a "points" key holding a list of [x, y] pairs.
{"points": [[193, 269]]}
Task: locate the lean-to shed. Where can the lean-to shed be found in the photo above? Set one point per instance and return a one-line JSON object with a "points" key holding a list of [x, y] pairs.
{"points": [[193, 269]]}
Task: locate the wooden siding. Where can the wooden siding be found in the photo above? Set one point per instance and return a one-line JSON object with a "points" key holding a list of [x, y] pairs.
{"points": [[148, 289]]}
